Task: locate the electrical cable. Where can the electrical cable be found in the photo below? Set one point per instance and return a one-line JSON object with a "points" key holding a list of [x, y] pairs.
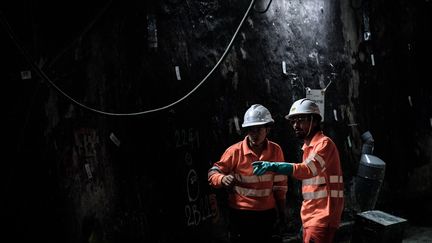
{"points": [[42, 74]]}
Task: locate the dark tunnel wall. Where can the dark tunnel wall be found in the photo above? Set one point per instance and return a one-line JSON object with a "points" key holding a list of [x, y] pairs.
{"points": [[81, 176], [401, 120]]}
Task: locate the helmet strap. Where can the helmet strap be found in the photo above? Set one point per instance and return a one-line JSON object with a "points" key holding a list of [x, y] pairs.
{"points": [[310, 125]]}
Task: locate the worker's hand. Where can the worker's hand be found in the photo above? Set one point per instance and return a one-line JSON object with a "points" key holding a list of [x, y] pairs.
{"points": [[261, 167], [228, 181]]}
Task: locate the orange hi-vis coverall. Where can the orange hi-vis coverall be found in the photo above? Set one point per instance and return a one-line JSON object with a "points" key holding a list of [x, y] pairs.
{"points": [[251, 192], [322, 183]]}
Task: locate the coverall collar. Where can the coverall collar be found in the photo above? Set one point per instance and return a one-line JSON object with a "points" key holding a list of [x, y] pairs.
{"points": [[317, 136]]}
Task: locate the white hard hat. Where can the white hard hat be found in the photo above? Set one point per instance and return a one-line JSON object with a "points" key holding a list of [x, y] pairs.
{"points": [[257, 115], [303, 106]]}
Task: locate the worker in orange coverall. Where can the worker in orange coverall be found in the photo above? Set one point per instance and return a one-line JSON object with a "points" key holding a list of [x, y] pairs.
{"points": [[256, 203], [320, 172]]}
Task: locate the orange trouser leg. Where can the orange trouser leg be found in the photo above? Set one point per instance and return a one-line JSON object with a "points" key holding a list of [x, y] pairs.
{"points": [[318, 234]]}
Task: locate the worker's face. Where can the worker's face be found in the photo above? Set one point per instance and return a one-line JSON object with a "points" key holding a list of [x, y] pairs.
{"points": [[300, 124], [257, 134]]}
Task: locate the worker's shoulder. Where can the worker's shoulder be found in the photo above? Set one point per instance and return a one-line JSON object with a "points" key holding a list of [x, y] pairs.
{"points": [[234, 147], [323, 140]]}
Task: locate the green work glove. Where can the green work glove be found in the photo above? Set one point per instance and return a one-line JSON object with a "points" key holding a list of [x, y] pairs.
{"points": [[261, 167]]}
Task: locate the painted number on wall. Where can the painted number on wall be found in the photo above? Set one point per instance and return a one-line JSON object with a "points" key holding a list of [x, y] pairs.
{"points": [[187, 137], [198, 211]]}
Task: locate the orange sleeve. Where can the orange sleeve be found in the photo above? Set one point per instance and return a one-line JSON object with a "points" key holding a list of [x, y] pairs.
{"points": [[221, 168], [215, 180], [302, 171], [314, 162]]}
